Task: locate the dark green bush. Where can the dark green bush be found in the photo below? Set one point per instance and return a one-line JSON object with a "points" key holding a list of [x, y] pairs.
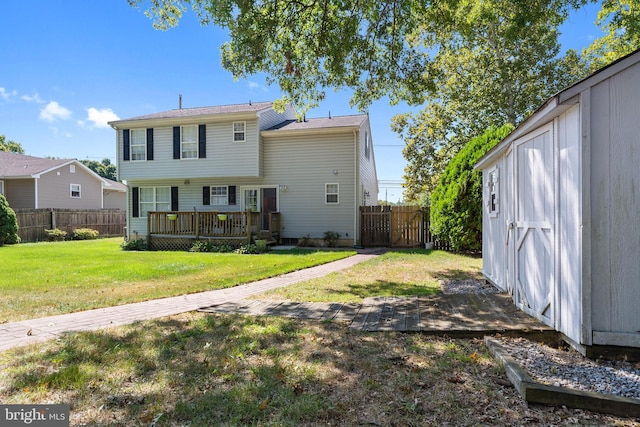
{"points": [[456, 202], [85, 234], [56, 235], [331, 238], [247, 249], [209, 246], [135, 245], [8, 224]]}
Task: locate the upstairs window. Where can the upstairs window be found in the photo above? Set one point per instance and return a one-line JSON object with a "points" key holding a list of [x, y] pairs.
{"points": [[75, 191], [239, 134], [331, 194], [220, 195], [189, 142], [138, 144], [367, 145]]}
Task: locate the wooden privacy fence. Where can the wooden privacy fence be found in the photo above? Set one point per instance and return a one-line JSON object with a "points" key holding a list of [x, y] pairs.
{"points": [[396, 227], [33, 222]]}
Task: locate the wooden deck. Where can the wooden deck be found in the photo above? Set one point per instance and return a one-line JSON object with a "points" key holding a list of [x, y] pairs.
{"points": [[460, 315]]}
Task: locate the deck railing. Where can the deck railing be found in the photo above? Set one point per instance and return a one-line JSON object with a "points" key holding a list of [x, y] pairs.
{"points": [[203, 224]]}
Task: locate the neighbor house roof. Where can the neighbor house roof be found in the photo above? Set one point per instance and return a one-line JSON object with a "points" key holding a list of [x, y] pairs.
{"points": [[336, 122], [201, 111], [20, 165]]}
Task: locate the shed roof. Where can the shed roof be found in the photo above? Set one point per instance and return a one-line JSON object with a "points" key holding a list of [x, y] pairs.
{"points": [[558, 103]]}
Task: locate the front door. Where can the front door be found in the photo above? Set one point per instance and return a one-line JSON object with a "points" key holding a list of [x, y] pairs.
{"points": [[263, 200], [533, 239]]}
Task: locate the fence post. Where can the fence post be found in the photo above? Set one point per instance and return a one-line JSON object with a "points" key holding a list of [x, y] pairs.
{"points": [[54, 225]]}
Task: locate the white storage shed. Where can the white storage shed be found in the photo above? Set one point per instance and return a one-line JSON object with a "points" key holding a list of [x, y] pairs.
{"points": [[561, 211]]}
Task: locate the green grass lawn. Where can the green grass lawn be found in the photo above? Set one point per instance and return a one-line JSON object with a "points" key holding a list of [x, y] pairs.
{"points": [[42, 279], [399, 273]]}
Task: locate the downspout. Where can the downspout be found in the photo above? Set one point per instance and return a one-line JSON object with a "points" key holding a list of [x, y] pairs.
{"points": [[356, 193], [35, 187]]}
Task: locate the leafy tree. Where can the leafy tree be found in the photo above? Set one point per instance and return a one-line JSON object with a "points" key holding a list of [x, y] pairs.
{"points": [[105, 169], [378, 48], [620, 21], [497, 62], [8, 223], [10, 146], [456, 204]]}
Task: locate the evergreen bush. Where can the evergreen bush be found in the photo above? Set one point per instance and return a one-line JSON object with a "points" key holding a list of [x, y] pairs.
{"points": [[8, 224], [456, 202]]}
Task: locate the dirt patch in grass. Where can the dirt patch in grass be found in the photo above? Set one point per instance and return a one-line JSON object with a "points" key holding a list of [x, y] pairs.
{"points": [[200, 370]]}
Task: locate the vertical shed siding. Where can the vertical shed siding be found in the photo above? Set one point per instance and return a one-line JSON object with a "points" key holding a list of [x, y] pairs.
{"points": [[305, 164], [20, 193], [493, 249], [54, 189], [615, 202], [569, 216], [225, 158]]}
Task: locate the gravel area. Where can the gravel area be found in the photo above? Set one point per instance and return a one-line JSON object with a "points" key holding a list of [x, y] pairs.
{"points": [[563, 366]]}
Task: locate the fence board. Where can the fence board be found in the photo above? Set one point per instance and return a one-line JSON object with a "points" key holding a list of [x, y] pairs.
{"points": [[33, 222], [397, 227]]}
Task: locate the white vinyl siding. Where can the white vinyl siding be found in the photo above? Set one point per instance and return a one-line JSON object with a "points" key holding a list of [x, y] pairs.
{"points": [[154, 199], [138, 141], [220, 195], [224, 157], [75, 191], [239, 131], [189, 142], [332, 194]]}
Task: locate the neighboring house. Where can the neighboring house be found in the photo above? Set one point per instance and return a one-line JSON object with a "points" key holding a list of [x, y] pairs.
{"points": [[297, 179], [33, 183], [561, 211]]}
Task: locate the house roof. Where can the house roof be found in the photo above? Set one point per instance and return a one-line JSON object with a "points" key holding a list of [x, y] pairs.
{"points": [[202, 111], [115, 185], [20, 165], [320, 123], [558, 103]]}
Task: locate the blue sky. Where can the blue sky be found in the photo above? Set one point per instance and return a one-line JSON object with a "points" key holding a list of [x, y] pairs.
{"points": [[66, 68]]}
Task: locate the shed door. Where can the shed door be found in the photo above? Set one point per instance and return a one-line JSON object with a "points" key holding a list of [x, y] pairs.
{"points": [[533, 228]]}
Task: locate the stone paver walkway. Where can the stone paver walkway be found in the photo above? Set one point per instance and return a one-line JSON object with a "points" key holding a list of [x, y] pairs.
{"points": [[31, 331]]}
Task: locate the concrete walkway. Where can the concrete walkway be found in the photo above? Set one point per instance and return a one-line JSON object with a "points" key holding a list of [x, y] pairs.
{"points": [[31, 331]]}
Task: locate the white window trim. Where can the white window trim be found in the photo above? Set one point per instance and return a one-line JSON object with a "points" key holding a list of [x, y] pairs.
{"points": [[195, 142], [214, 197], [244, 132], [71, 191], [2, 187], [131, 144], [327, 193], [155, 200], [493, 191], [367, 145]]}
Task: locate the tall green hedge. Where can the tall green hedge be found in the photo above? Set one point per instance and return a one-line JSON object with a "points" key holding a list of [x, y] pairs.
{"points": [[8, 223], [456, 202]]}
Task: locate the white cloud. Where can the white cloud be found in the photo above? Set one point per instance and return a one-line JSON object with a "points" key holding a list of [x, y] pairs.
{"points": [[4, 94], [33, 98], [256, 85], [99, 118], [54, 111]]}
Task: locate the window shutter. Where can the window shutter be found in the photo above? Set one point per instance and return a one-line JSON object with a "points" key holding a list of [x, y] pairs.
{"points": [[202, 141], [232, 195], [174, 198], [176, 142], [135, 206], [126, 155], [206, 196], [150, 144]]}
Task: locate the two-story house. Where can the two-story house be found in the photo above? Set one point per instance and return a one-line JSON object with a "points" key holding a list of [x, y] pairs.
{"points": [[237, 171]]}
